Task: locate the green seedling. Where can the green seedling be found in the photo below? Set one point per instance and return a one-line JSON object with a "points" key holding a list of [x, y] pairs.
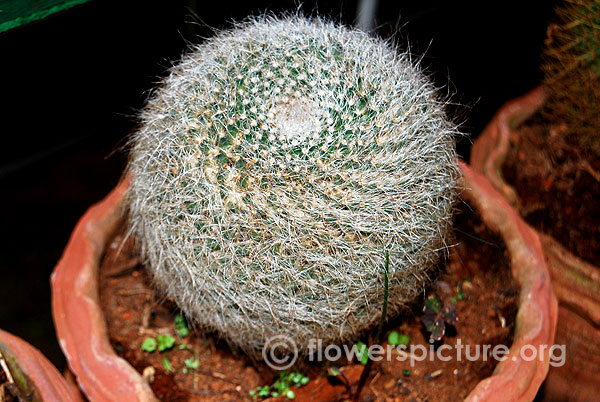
{"points": [[395, 339], [362, 353], [180, 325], [192, 363], [281, 387], [149, 345], [167, 364], [460, 295], [264, 392], [165, 342]]}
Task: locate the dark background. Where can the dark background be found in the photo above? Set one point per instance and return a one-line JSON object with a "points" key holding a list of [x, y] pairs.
{"points": [[70, 87]]}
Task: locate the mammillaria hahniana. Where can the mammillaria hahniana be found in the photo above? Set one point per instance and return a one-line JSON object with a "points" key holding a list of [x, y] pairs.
{"points": [[275, 166]]}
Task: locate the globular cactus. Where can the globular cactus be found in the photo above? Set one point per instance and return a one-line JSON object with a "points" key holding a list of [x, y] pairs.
{"points": [[572, 71], [273, 169]]}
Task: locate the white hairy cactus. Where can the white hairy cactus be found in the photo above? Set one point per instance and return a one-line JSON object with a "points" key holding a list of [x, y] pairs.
{"points": [[273, 169]]}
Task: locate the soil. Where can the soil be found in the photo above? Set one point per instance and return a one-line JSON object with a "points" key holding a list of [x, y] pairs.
{"points": [[559, 186], [476, 275]]}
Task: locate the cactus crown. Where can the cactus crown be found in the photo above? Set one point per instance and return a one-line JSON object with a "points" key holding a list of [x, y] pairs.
{"points": [[273, 169], [572, 71]]}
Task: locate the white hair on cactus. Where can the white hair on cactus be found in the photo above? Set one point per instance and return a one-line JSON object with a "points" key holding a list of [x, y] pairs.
{"points": [[275, 166]]}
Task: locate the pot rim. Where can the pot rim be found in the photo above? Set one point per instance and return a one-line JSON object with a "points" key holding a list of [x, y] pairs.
{"points": [[33, 367]]}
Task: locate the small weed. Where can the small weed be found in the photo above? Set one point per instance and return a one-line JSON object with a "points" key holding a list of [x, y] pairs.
{"points": [[460, 295], [165, 342], [192, 363], [436, 316], [180, 325], [362, 354], [167, 364], [395, 339], [149, 345], [281, 387]]}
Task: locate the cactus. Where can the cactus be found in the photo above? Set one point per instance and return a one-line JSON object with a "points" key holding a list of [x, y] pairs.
{"points": [[273, 169], [572, 71]]}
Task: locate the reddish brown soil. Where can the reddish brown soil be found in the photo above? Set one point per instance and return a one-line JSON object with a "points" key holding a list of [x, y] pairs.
{"points": [[486, 315], [558, 185]]}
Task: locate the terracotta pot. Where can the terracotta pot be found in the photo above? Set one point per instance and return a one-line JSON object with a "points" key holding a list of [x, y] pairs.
{"points": [[516, 379], [575, 282], [105, 377], [34, 376], [80, 326]]}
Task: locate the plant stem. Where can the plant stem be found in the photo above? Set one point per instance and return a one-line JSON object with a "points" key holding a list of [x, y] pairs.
{"points": [[378, 337]]}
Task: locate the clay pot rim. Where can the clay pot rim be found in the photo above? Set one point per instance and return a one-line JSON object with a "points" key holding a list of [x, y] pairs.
{"points": [[516, 378], [104, 376], [46, 382], [487, 157]]}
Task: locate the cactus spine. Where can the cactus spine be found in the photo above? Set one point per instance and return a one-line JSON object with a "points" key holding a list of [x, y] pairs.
{"points": [[572, 71], [273, 169]]}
